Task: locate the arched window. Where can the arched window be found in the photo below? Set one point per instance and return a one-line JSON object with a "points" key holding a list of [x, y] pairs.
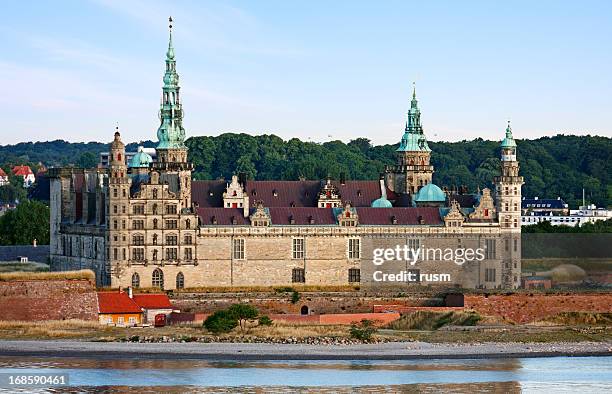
{"points": [[180, 281], [154, 223], [154, 209], [118, 156], [158, 279], [187, 223], [135, 280], [155, 238]]}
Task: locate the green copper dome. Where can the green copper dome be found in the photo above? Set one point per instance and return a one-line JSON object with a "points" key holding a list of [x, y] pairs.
{"points": [[141, 159], [381, 203], [430, 193], [508, 142], [414, 139]]}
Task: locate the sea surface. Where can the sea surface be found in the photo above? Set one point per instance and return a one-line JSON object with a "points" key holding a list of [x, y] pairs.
{"points": [[543, 375]]}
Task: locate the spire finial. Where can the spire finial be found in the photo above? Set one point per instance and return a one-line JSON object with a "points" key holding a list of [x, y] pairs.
{"points": [[170, 53], [414, 90]]}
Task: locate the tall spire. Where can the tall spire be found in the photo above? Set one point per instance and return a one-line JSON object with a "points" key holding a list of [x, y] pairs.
{"points": [[414, 138], [171, 133]]}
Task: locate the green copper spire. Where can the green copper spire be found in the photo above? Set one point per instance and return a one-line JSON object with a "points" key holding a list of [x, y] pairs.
{"points": [[414, 138], [508, 142], [171, 133]]}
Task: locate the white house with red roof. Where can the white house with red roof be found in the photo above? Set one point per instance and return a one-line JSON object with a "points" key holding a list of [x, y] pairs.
{"points": [[26, 172], [4, 180], [153, 305]]}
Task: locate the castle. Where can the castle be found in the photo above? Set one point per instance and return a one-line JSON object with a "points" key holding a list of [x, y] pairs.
{"points": [[146, 223]]}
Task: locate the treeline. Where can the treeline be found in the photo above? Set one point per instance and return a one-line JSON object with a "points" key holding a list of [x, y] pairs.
{"points": [[552, 166]]}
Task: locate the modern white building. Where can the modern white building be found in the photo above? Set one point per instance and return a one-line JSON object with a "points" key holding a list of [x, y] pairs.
{"points": [[576, 217]]}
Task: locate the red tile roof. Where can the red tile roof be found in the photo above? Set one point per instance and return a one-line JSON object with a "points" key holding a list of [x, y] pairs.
{"points": [[223, 216], [22, 171], [288, 193], [302, 215], [116, 302], [153, 301], [404, 216]]}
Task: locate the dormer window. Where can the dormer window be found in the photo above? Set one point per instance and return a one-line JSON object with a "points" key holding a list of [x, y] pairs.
{"points": [[292, 204], [291, 219], [234, 193], [358, 193], [274, 193], [393, 219], [213, 220], [233, 219], [421, 220], [310, 220], [210, 193]]}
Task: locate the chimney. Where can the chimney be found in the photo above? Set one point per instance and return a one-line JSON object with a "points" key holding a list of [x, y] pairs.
{"points": [[130, 294]]}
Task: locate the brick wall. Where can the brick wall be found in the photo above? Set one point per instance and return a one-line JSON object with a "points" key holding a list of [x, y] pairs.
{"points": [[524, 308], [39, 300]]}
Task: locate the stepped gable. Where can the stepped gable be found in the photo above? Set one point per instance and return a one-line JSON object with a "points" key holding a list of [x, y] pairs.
{"points": [[403, 216]]}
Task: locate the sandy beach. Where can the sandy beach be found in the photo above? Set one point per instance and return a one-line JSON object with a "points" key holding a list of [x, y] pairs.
{"points": [[263, 351]]}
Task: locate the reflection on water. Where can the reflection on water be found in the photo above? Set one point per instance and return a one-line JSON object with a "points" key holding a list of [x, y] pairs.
{"points": [[576, 374]]}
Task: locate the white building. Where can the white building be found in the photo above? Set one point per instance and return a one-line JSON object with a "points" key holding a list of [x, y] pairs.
{"points": [[576, 217]]}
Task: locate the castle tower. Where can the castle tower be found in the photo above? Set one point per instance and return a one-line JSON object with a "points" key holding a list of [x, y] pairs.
{"points": [[171, 149], [508, 206], [413, 169], [118, 207]]}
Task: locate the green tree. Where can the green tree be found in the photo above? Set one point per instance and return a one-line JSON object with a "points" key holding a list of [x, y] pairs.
{"points": [[220, 322], [243, 313], [87, 160], [24, 224], [10, 193]]}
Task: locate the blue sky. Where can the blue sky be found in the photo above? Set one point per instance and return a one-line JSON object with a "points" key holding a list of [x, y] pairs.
{"points": [[316, 70]]}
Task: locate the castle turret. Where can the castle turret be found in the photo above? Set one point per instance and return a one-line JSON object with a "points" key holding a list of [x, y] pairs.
{"points": [[413, 169], [508, 206], [118, 206]]}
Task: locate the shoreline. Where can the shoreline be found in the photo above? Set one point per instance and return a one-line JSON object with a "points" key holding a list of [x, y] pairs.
{"points": [[264, 351]]}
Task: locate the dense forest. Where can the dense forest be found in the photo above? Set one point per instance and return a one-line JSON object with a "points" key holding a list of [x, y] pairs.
{"points": [[552, 166]]}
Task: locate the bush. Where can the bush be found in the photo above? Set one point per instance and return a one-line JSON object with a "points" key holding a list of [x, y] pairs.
{"points": [[243, 313], [221, 322], [363, 330], [295, 297], [265, 321]]}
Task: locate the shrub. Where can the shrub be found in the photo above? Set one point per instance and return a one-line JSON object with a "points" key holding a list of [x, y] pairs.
{"points": [[221, 322], [363, 330], [295, 297], [265, 321], [243, 313]]}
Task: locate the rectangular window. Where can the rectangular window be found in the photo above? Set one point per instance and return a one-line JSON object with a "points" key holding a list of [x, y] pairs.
{"points": [[138, 224], [354, 275], [414, 244], [171, 209], [516, 245], [238, 249], [188, 254], [138, 209], [489, 274], [132, 320], [138, 254], [490, 249], [171, 224], [297, 248], [298, 275], [188, 239], [171, 254], [120, 320], [354, 250], [171, 239]]}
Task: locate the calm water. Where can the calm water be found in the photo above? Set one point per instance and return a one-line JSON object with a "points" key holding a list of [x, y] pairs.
{"points": [[546, 375]]}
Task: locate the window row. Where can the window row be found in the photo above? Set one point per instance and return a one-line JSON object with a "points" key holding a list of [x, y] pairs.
{"points": [[298, 275], [157, 279], [171, 239], [298, 248]]}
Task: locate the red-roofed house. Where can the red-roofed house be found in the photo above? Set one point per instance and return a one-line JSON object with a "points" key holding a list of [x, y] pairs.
{"points": [[152, 305], [117, 308], [26, 173], [3, 178]]}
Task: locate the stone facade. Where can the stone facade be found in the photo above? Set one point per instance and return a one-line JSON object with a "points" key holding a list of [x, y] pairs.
{"points": [[146, 223]]}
